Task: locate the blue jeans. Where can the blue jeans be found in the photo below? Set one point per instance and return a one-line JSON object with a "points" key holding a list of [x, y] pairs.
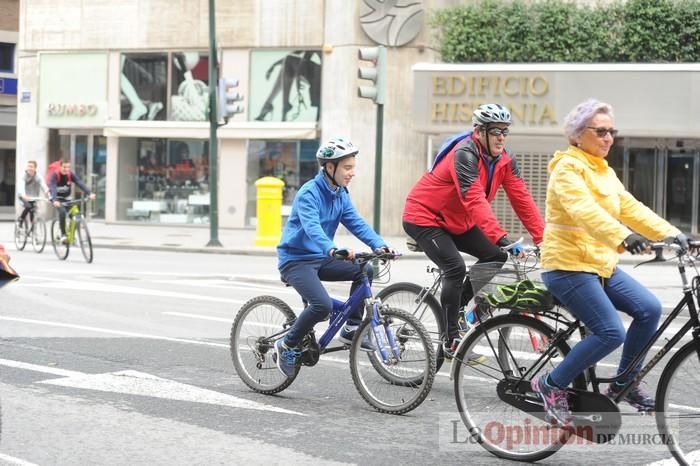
{"points": [[305, 277], [596, 306]]}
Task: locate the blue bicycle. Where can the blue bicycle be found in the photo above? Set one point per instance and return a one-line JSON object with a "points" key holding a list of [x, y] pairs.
{"points": [[394, 378]]}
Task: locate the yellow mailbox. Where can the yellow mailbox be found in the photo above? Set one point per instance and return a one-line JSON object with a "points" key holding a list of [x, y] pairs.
{"points": [[269, 211]]}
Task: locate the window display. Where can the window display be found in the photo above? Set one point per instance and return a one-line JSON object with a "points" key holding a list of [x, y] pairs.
{"points": [[286, 85], [164, 180], [146, 78], [294, 162]]}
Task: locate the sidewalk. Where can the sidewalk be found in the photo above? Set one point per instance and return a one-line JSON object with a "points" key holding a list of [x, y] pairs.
{"points": [[195, 239]]}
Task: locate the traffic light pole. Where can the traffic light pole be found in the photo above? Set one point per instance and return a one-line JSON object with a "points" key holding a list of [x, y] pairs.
{"points": [[213, 143], [379, 140]]}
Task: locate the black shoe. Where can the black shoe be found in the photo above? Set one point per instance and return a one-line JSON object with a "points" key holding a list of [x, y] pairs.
{"points": [[637, 398], [346, 336], [472, 358]]}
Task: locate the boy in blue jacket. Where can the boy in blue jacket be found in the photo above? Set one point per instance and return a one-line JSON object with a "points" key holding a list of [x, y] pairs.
{"points": [[306, 250]]}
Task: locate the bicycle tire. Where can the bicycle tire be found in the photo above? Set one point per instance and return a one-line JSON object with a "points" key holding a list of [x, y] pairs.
{"points": [[417, 357], [61, 249], [406, 296], [490, 372], [84, 239], [676, 388], [39, 236], [20, 234], [260, 373]]}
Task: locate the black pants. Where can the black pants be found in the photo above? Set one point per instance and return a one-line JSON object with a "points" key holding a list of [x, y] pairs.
{"points": [[444, 250], [28, 209]]}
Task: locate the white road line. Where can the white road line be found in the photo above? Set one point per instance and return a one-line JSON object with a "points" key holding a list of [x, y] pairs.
{"points": [[140, 383], [197, 316], [105, 288], [113, 332], [12, 460], [37, 368]]}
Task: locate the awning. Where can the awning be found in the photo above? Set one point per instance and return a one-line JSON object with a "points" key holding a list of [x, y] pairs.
{"points": [[200, 130]]}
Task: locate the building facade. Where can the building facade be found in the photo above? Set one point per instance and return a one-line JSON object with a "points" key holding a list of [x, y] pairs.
{"points": [[120, 89], [9, 25]]}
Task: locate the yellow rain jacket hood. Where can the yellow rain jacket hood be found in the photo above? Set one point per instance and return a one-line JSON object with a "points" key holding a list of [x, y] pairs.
{"points": [[588, 212]]}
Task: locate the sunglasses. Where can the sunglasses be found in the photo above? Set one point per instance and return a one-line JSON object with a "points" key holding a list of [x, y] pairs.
{"points": [[601, 132], [498, 131]]}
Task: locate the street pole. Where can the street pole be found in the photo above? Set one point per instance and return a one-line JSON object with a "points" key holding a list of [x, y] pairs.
{"points": [[213, 143], [379, 138]]}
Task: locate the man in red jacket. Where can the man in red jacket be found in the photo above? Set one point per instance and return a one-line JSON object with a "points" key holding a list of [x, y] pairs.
{"points": [[448, 210]]}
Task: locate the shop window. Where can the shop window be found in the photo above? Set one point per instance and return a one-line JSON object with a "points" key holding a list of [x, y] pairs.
{"points": [[143, 86], [294, 162], [147, 79], [7, 177], [7, 57], [285, 85], [189, 84], [163, 180]]}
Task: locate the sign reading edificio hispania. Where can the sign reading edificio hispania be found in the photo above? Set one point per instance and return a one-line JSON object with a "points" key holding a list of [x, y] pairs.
{"points": [[455, 96]]}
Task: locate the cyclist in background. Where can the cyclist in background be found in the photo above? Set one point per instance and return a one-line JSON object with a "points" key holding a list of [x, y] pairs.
{"points": [[306, 250], [588, 209], [448, 210], [31, 186], [60, 189]]}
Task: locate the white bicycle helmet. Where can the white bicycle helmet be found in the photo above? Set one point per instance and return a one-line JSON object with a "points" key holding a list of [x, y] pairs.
{"points": [[335, 149], [491, 113]]}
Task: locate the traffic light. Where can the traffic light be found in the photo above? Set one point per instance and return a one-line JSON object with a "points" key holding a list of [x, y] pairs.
{"points": [[376, 74], [227, 103]]}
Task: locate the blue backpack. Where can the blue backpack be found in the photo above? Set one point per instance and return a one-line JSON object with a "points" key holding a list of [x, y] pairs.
{"points": [[448, 145]]}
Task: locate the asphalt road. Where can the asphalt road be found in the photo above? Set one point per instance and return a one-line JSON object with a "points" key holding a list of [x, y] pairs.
{"points": [[126, 361]]}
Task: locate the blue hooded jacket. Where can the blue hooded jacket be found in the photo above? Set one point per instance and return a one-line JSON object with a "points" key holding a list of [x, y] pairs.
{"points": [[316, 213]]}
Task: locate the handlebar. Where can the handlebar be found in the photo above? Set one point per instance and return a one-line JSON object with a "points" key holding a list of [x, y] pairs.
{"points": [[364, 257]]}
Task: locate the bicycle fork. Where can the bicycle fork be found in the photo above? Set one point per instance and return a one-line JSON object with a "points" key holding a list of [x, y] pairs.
{"points": [[384, 335]]}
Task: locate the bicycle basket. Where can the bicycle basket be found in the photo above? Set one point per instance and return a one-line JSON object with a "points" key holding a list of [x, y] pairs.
{"points": [[508, 287]]}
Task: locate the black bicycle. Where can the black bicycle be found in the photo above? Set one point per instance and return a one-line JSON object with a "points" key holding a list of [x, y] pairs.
{"points": [[423, 301], [499, 388], [32, 228]]}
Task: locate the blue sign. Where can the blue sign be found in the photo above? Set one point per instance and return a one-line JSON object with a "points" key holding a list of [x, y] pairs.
{"points": [[26, 97], [8, 86]]}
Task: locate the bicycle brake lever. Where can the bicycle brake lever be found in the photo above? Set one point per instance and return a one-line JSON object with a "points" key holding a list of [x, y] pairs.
{"points": [[659, 258]]}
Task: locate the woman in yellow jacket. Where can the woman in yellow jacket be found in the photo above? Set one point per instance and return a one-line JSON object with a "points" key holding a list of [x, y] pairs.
{"points": [[590, 219]]}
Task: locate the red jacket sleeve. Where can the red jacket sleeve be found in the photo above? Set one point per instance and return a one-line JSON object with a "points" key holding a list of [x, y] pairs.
{"points": [[522, 202]]}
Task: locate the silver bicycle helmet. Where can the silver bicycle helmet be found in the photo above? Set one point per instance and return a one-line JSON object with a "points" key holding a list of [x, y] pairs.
{"points": [[335, 149], [491, 113]]}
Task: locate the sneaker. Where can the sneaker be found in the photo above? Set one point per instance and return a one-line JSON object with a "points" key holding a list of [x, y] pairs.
{"points": [[346, 336], [473, 358], [637, 398], [556, 403], [286, 358]]}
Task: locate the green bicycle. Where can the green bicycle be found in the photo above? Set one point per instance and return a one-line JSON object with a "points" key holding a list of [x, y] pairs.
{"points": [[76, 229]]}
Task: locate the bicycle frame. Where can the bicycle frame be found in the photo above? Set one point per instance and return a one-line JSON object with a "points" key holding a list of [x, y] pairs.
{"points": [[73, 212], [342, 310]]}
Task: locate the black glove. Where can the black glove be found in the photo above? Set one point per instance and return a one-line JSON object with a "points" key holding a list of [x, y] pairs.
{"points": [[635, 244], [515, 250]]}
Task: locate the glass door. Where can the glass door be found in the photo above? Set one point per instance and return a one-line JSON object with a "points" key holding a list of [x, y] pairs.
{"points": [[681, 189], [98, 175]]}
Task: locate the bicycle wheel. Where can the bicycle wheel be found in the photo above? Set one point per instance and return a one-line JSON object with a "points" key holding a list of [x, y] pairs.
{"points": [[415, 300], [84, 239], [20, 234], [506, 339], [678, 404], [412, 372], [258, 324], [61, 248], [39, 235]]}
